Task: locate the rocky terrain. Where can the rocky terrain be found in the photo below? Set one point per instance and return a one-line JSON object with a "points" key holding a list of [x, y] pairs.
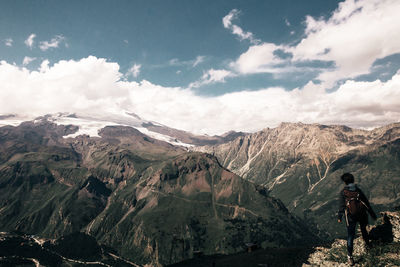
{"points": [[79, 249], [301, 164], [150, 201], [385, 249]]}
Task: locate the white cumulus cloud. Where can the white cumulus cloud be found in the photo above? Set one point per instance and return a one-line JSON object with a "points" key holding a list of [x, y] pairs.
{"points": [[53, 43], [235, 29], [134, 70], [353, 37], [257, 59], [212, 76], [8, 42], [95, 86], [28, 60], [30, 40], [198, 60]]}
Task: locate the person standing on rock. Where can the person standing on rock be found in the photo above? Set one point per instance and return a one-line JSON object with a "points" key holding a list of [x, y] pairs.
{"points": [[353, 204]]}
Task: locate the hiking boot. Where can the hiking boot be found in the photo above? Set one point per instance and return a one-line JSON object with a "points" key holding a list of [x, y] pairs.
{"points": [[350, 260]]}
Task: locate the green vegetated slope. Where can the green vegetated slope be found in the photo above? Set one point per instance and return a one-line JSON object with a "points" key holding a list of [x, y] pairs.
{"points": [[152, 202], [301, 165]]}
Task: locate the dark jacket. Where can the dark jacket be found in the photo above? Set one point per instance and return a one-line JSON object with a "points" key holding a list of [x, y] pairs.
{"points": [[363, 198]]}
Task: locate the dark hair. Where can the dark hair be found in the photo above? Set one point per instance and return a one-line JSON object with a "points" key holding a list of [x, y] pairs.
{"points": [[347, 178]]}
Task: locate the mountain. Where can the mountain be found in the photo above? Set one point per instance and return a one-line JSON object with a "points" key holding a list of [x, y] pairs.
{"points": [[301, 164], [89, 124], [149, 200], [189, 138]]}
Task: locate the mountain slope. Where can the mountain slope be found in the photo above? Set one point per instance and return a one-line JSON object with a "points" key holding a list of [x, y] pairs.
{"points": [[301, 165], [151, 201]]}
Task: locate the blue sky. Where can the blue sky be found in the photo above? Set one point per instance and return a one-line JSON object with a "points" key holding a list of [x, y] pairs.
{"points": [[155, 34], [213, 50]]}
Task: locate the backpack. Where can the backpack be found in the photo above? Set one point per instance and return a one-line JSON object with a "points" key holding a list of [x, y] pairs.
{"points": [[356, 208]]}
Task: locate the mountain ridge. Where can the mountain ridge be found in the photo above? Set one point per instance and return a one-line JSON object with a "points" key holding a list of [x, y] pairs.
{"points": [[151, 201], [298, 162]]}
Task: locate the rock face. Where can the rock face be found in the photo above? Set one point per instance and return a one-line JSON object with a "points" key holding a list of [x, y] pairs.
{"points": [[152, 202], [189, 138], [385, 249], [301, 165], [394, 220]]}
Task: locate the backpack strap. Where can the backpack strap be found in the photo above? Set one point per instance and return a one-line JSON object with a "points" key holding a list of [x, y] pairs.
{"points": [[347, 219]]}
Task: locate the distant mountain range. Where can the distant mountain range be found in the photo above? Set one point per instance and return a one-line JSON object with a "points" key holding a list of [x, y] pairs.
{"points": [[159, 195], [89, 124], [301, 164], [151, 201]]}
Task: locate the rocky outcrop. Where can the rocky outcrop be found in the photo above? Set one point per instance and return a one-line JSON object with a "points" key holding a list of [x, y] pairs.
{"points": [[394, 221], [385, 249]]}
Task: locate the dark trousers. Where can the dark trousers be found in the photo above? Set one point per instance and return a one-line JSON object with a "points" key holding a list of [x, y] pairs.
{"points": [[351, 231]]}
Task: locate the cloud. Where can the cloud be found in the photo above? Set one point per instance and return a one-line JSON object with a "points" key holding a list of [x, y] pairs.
{"points": [[53, 43], [8, 42], [27, 60], [235, 29], [193, 63], [354, 36], [212, 76], [258, 59], [30, 40], [175, 62], [95, 86], [44, 66], [287, 22], [342, 40], [67, 85], [134, 70], [198, 60]]}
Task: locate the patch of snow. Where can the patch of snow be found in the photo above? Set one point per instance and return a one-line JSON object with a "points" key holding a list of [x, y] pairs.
{"points": [[86, 127], [156, 124], [163, 137], [12, 122], [89, 125]]}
